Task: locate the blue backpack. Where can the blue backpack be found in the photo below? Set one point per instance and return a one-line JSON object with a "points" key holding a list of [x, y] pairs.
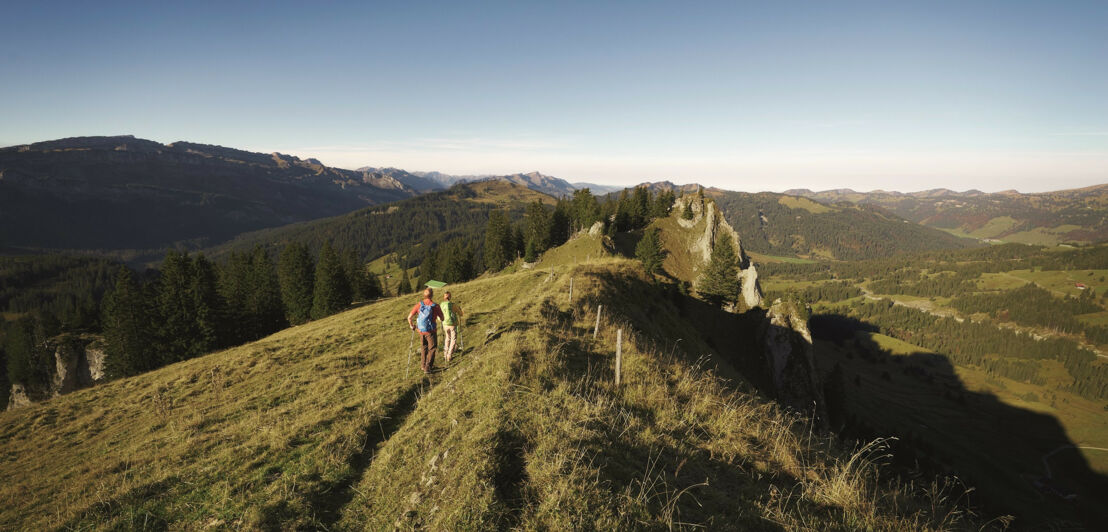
{"points": [[425, 320]]}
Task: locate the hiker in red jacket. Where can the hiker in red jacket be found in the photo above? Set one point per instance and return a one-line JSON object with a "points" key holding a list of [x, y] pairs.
{"points": [[426, 312]]}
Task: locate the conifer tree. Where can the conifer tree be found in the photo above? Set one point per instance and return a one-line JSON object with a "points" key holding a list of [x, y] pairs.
{"points": [[560, 224], [650, 251], [332, 292], [296, 275], [264, 302], [719, 285], [127, 334], [585, 209], [27, 363], [175, 310], [687, 211], [404, 285], [430, 267], [361, 288], [499, 247], [457, 262], [537, 231], [209, 307], [234, 286]]}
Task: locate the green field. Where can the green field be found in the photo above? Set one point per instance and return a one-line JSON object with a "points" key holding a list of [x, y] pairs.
{"points": [[763, 258]]}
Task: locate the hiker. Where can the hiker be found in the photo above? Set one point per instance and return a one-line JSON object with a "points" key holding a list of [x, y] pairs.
{"points": [[426, 311], [450, 323]]}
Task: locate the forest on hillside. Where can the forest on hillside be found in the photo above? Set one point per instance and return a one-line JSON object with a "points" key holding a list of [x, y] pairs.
{"points": [[769, 226]]}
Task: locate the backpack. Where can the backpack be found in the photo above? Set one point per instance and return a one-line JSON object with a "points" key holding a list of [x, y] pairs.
{"points": [[425, 320], [447, 313]]}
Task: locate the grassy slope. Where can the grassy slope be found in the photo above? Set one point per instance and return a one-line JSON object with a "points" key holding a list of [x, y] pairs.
{"points": [[319, 426]]}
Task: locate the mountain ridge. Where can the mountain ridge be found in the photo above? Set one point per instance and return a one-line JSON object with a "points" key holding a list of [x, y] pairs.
{"points": [[122, 192], [1044, 218]]}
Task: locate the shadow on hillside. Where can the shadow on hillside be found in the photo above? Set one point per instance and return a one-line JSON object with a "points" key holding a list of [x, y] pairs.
{"points": [[329, 499], [943, 427]]}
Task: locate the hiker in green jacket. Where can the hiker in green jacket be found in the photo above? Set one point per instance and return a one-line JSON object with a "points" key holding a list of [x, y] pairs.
{"points": [[452, 316]]}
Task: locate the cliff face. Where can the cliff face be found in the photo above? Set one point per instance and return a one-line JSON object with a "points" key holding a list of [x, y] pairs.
{"points": [[78, 363], [787, 345]]}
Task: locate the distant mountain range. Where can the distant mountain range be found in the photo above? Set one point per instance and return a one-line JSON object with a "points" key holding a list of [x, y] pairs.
{"points": [[114, 193], [431, 181], [1077, 216], [117, 193]]}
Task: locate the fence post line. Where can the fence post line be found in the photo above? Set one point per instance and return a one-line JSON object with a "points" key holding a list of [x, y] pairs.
{"points": [[597, 327], [619, 355]]}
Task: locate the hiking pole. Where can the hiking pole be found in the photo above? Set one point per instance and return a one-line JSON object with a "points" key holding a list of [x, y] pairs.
{"points": [[411, 342]]}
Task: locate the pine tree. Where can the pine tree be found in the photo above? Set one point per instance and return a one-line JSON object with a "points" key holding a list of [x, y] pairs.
{"points": [[357, 276], [176, 313], [296, 275], [264, 301], [234, 286], [687, 211], [719, 285], [560, 224], [650, 251], [210, 316], [127, 334], [332, 293], [404, 285], [537, 231], [27, 362], [430, 266], [585, 209], [499, 250]]}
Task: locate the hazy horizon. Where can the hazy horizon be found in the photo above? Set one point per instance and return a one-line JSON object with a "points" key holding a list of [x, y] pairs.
{"points": [[985, 95]]}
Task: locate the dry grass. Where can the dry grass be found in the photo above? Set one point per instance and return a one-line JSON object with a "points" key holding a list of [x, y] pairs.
{"points": [[318, 427]]}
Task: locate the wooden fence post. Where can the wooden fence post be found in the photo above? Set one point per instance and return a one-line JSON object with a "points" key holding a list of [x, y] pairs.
{"points": [[619, 355], [597, 327], [571, 290]]}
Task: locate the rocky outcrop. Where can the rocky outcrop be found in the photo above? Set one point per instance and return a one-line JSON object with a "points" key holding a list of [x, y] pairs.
{"points": [[78, 363], [789, 359], [707, 216], [752, 289], [18, 397]]}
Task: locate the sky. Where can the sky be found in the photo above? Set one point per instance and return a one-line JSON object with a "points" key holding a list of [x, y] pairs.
{"points": [[741, 95]]}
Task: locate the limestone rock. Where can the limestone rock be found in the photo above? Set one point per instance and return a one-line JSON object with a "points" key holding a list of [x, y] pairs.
{"points": [[752, 290], [787, 345], [714, 225], [18, 397]]}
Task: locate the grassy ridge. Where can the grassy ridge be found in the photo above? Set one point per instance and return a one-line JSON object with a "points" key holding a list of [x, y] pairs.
{"points": [[319, 427]]}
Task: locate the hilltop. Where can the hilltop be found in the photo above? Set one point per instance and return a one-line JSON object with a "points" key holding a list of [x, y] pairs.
{"points": [[113, 193], [460, 212], [1046, 218], [320, 426]]}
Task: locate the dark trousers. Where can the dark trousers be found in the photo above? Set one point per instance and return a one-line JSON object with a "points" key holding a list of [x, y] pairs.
{"points": [[428, 343]]}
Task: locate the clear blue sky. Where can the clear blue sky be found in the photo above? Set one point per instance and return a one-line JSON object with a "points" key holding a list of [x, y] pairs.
{"points": [[989, 95]]}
